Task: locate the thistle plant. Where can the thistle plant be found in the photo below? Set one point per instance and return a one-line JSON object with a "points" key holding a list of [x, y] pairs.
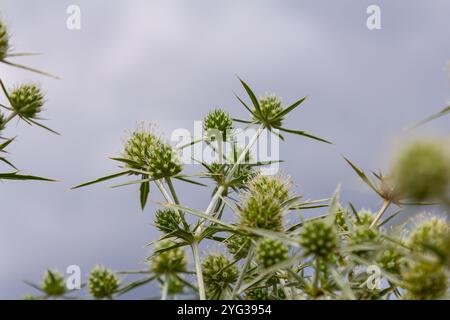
{"points": [[264, 240], [25, 101]]}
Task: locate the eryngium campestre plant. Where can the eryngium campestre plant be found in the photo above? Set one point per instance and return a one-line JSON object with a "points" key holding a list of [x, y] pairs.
{"points": [[103, 283], [4, 41], [279, 250]]}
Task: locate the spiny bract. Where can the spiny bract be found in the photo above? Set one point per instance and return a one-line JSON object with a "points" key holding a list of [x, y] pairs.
{"points": [[319, 238], [168, 260], [103, 283], [269, 252], [218, 120], [27, 100]]}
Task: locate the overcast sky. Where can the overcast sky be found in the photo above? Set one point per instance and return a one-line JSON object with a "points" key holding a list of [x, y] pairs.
{"points": [[169, 62]]}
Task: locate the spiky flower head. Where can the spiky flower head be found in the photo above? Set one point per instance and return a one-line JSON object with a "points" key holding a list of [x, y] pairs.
{"points": [[276, 186], [167, 259], [319, 238], [424, 281], [262, 211], [138, 148], [269, 252], [163, 162], [218, 120], [423, 170], [238, 245], [270, 106], [53, 284], [218, 274], [432, 234], [103, 283], [167, 220], [27, 100], [4, 41]]}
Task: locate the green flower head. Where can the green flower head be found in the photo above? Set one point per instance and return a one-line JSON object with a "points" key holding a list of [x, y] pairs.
{"points": [[262, 211], [269, 252], [423, 170], [168, 260], [27, 100], [167, 220], [218, 274], [163, 162], [318, 238], [274, 186], [424, 281], [270, 106], [218, 120], [138, 147], [103, 283], [53, 284], [433, 235]]}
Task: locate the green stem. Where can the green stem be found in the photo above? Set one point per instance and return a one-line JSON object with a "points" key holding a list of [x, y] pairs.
{"points": [[165, 290], [380, 213], [247, 262], [198, 270], [316, 277]]}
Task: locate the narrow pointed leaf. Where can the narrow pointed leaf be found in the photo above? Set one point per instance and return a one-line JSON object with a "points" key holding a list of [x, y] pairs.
{"points": [[303, 133], [363, 176], [116, 175]]}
